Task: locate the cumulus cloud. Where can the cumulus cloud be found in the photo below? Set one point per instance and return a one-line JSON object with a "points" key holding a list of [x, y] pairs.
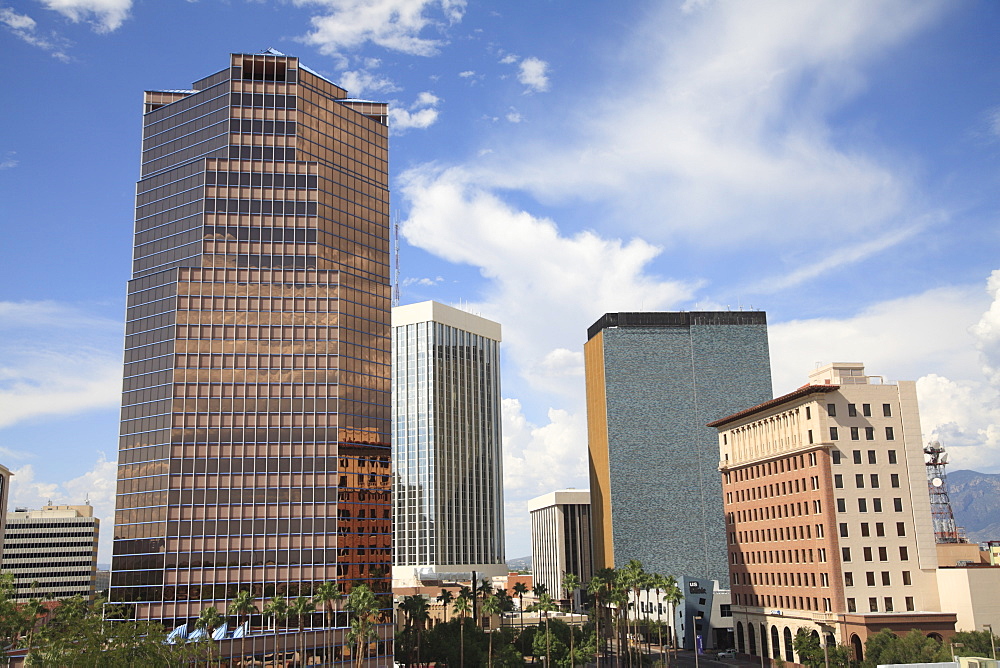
{"points": [[98, 484], [9, 161], [397, 25], [24, 28], [104, 15], [361, 82], [533, 73], [423, 282], [423, 113], [514, 116], [55, 360]]}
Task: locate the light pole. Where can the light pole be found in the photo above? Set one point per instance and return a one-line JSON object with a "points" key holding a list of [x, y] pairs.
{"points": [[993, 647], [953, 646], [826, 641]]}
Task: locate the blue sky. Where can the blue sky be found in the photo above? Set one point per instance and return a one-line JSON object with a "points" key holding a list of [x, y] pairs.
{"points": [[832, 162]]}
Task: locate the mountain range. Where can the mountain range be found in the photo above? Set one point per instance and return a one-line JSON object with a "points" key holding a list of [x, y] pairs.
{"points": [[975, 501]]}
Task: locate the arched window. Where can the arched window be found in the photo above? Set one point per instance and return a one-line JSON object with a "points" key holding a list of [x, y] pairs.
{"points": [[789, 655], [763, 640], [753, 640], [775, 642], [739, 638], [859, 654]]}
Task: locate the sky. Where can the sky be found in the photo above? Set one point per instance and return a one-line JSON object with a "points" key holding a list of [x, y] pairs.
{"points": [[832, 162]]}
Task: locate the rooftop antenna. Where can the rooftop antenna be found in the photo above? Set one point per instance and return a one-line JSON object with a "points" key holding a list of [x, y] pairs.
{"points": [[395, 262], [945, 530]]}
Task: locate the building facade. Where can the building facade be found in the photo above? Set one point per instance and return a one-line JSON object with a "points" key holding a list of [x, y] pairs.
{"points": [[254, 451], [448, 484], [560, 539], [52, 552], [827, 514], [654, 380]]}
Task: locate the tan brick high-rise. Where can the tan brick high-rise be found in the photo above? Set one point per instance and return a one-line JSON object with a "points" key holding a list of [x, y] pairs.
{"points": [[254, 450], [827, 515]]}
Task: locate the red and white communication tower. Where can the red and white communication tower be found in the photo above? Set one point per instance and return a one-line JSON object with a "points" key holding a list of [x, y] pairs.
{"points": [[945, 530]]}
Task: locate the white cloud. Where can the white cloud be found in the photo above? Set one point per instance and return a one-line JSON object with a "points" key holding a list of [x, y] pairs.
{"points": [[514, 116], [396, 25], [105, 15], [24, 27], [533, 73], [423, 113], [98, 484], [545, 287], [947, 339], [360, 82], [9, 161], [467, 73], [423, 282], [55, 360], [509, 59]]}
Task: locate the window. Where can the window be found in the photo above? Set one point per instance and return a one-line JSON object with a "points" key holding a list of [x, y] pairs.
{"points": [[841, 505], [870, 578], [810, 435], [894, 479], [906, 578], [843, 530], [824, 579], [876, 505], [819, 531], [883, 554], [855, 436], [874, 478], [872, 459], [865, 530], [857, 454], [904, 554], [808, 413], [859, 480], [909, 603], [897, 505], [838, 482], [836, 456], [862, 505], [888, 603], [886, 410], [852, 411], [817, 506], [848, 579], [900, 528], [866, 410], [834, 435], [879, 529], [873, 604], [886, 581], [870, 436], [845, 554], [868, 554], [821, 553], [852, 605], [812, 455], [891, 436], [831, 410]]}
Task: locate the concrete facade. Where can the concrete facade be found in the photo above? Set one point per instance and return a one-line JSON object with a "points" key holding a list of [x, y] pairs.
{"points": [[654, 380], [560, 539]]}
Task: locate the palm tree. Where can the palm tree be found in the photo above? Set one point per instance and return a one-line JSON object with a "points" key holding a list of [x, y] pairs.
{"points": [[302, 606], [672, 595], [277, 609], [491, 606], [545, 605], [419, 612], [363, 606], [462, 607], [570, 583], [327, 595], [32, 609], [445, 598], [242, 605], [520, 589], [208, 620], [599, 588]]}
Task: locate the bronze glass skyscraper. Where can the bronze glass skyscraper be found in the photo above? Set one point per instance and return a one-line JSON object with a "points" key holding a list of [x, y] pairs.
{"points": [[254, 448]]}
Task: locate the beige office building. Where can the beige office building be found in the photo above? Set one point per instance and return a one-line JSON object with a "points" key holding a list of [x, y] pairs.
{"points": [[827, 514], [560, 539], [52, 552]]}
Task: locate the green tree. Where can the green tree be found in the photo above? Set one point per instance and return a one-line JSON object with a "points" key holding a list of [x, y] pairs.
{"points": [[634, 578], [277, 610], [520, 589], [328, 596], [599, 590], [886, 648], [806, 644], [208, 621], [545, 605], [491, 607], [974, 643], [363, 606], [445, 598], [302, 606], [242, 606], [570, 583], [462, 606]]}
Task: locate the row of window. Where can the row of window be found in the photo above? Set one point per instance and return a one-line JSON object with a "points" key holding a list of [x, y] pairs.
{"points": [[887, 602], [870, 579], [869, 554], [890, 434], [852, 410], [261, 127], [779, 557], [782, 579], [859, 480], [264, 207], [838, 456], [790, 602], [866, 529], [876, 506], [801, 532]]}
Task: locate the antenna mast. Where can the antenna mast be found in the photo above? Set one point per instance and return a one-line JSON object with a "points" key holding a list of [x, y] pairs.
{"points": [[945, 530], [395, 262]]}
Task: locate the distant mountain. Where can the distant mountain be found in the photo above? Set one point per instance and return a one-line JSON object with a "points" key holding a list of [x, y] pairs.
{"points": [[975, 500], [520, 563]]}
